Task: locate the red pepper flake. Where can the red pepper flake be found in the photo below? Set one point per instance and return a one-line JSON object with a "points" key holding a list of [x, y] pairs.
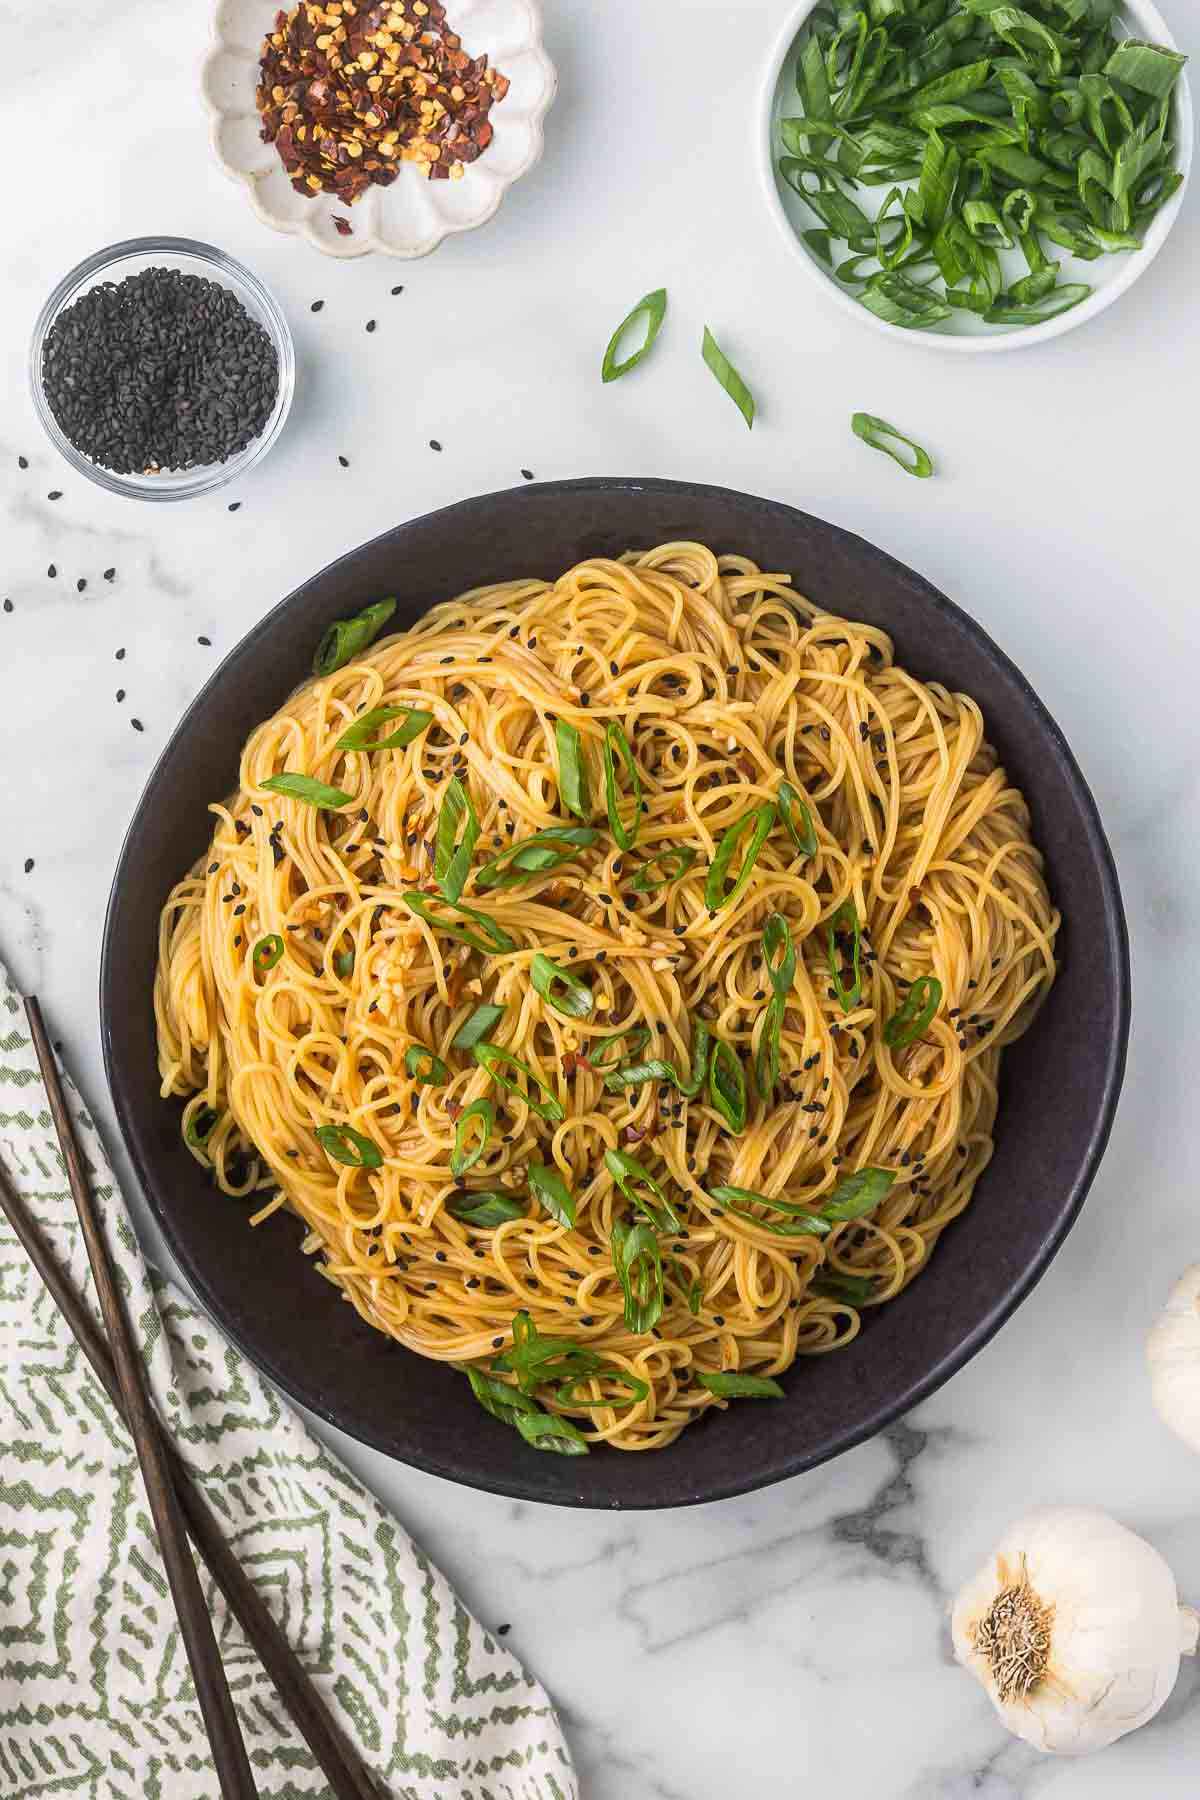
{"points": [[574, 1060], [342, 226], [346, 96]]}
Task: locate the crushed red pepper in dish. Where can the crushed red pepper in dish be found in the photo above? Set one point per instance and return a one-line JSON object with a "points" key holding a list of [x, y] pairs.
{"points": [[349, 91]]}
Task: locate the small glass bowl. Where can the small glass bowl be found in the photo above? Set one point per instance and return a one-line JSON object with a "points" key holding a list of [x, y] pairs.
{"points": [[114, 264]]}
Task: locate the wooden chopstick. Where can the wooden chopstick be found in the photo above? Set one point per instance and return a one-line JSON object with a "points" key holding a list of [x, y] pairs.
{"points": [[208, 1672], [348, 1776]]}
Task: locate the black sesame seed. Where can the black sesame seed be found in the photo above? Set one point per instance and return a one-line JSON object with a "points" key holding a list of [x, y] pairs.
{"points": [[205, 641], [234, 505], [8, 606], [497, 1342], [433, 444], [52, 571], [29, 865], [81, 584], [370, 324], [22, 462], [528, 474], [110, 574], [397, 290], [137, 724], [120, 695], [345, 461], [316, 306]]}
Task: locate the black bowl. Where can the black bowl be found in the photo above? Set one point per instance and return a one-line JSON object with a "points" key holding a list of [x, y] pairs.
{"points": [[1060, 1083]]}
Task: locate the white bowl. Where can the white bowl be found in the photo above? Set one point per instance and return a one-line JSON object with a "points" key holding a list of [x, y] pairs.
{"points": [[1109, 276], [412, 216]]}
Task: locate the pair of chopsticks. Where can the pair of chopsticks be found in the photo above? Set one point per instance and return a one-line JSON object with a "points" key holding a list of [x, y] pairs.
{"points": [[176, 1506]]}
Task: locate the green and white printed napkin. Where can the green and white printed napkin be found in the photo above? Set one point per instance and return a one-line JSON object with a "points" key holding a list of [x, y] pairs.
{"points": [[96, 1699]]}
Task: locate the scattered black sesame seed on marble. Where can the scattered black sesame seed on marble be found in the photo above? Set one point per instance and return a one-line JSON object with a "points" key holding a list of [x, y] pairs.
{"points": [[55, 494], [22, 462], [433, 444], [370, 324], [527, 474], [316, 306], [137, 724], [52, 571], [121, 696], [345, 461], [234, 505], [120, 654], [503, 1630], [29, 865], [8, 606], [205, 642], [397, 290], [81, 584], [110, 574]]}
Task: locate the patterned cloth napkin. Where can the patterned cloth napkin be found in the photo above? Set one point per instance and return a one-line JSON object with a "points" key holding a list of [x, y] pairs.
{"points": [[96, 1699]]}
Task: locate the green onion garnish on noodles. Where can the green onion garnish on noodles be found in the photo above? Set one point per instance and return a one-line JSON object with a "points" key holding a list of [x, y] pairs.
{"points": [[914, 1018], [560, 989], [342, 1144], [767, 1049], [200, 1127], [701, 1039], [497, 1062], [634, 1037], [727, 376], [727, 1086], [616, 744], [732, 1385], [637, 1260], [853, 1290], [676, 861], [636, 1183], [779, 954], [347, 638], [474, 1029], [360, 735], [573, 784], [797, 819], [803, 1221], [477, 1120], [544, 1431], [536, 855], [343, 963], [759, 822], [638, 1074], [653, 308], [490, 937], [552, 1193], [877, 433], [538, 1361], [267, 952], [452, 854], [485, 1208], [638, 1390], [304, 787], [857, 1195], [845, 925]]}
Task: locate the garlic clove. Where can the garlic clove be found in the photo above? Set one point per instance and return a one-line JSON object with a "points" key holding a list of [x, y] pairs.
{"points": [[1173, 1359], [1074, 1628]]}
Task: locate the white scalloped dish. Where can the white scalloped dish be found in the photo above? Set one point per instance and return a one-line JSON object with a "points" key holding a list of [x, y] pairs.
{"points": [[412, 216]]}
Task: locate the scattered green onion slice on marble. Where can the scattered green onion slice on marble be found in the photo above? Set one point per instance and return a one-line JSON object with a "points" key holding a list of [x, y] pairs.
{"points": [[653, 308], [877, 433], [728, 377]]}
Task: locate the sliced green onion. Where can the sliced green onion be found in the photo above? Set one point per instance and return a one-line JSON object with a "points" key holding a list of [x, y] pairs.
{"points": [[423, 1067], [857, 1195], [617, 744], [343, 963], [495, 1062], [854, 1290], [632, 1177], [546, 1431], [545, 850], [200, 1127], [732, 1385], [637, 1260], [464, 1156], [1149, 68], [473, 1030], [638, 1390], [552, 1193], [573, 782], [267, 952], [346, 638], [701, 1038], [760, 822], [779, 954], [916, 1015], [636, 1037], [304, 787], [344, 1145], [797, 819], [576, 999], [728, 376], [452, 854], [638, 1074], [359, 735], [876, 433], [845, 922], [896, 300], [1059, 300], [497, 1397], [727, 1086], [536, 1360], [485, 1209], [489, 939], [653, 307], [676, 861], [738, 1200], [766, 1054]]}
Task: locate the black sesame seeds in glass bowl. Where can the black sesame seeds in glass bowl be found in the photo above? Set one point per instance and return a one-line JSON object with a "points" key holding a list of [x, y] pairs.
{"points": [[161, 369]]}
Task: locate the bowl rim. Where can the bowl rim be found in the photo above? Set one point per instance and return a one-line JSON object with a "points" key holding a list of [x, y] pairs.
{"points": [[229, 271], [346, 248], [1009, 1296], [1152, 22]]}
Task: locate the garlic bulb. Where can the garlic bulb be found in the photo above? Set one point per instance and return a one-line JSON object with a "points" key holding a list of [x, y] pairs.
{"points": [[1173, 1358], [1074, 1627]]}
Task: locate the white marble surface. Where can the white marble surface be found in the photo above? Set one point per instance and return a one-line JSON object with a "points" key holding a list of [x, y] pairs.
{"points": [[792, 1642]]}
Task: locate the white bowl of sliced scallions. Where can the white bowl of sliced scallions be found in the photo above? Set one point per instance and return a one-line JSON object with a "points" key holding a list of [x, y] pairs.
{"points": [[976, 174]]}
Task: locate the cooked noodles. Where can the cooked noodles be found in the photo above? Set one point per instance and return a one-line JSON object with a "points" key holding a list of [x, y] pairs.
{"points": [[299, 991]]}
